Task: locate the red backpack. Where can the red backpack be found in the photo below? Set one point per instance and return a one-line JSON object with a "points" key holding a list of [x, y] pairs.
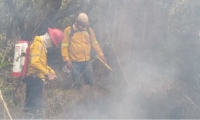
{"points": [[21, 58]]}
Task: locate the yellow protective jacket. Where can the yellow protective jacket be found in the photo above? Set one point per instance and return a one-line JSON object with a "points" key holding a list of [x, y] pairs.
{"points": [[38, 59], [78, 47]]}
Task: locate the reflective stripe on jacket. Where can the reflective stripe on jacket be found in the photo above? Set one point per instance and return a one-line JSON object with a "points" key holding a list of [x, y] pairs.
{"points": [[38, 59], [78, 48]]}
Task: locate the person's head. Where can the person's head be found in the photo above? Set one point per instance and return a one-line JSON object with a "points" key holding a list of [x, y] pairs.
{"points": [[82, 21], [56, 36]]}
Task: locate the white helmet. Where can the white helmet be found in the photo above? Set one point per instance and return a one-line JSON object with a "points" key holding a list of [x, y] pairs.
{"points": [[82, 17]]}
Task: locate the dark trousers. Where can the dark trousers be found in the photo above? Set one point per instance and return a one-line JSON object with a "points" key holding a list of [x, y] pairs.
{"points": [[34, 93], [82, 69]]}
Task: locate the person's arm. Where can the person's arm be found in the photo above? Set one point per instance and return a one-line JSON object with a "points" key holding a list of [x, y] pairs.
{"points": [[51, 70], [35, 54], [65, 45], [96, 46], [65, 48]]}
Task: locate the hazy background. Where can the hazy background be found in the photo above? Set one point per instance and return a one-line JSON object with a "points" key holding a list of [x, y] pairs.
{"points": [[152, 46]]}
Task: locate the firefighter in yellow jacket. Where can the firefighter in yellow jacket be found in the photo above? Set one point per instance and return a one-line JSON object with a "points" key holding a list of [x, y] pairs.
{"points": [[38, 69], [75, 49]]}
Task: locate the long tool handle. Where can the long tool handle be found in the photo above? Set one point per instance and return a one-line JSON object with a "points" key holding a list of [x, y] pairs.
{"points": [[105, 64], [4, 103]]}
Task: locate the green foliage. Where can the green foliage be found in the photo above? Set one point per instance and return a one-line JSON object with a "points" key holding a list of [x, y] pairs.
{"points": [[5, 64]]}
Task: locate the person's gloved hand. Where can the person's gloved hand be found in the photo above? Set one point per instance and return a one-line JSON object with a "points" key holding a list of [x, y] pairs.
{"points": [[69, 65], [51, 76]]}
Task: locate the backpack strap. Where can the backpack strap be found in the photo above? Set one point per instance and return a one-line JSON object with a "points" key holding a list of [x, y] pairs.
{"points": [[88, 30], [71, 32]]}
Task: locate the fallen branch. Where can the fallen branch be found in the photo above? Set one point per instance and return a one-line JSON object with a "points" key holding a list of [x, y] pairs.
{"points": [[4, 103], [192, 102]]}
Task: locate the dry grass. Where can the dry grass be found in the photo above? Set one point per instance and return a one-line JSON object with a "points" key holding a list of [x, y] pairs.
{"points": [[109, 98], [60, 101]]}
